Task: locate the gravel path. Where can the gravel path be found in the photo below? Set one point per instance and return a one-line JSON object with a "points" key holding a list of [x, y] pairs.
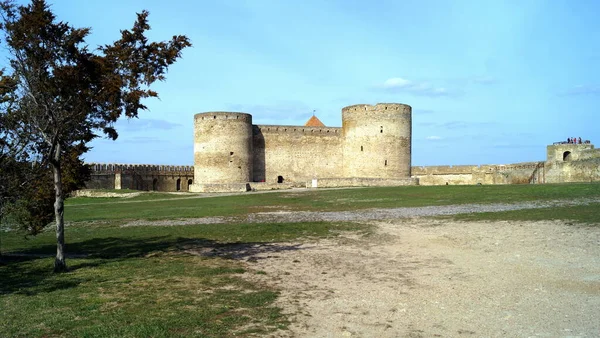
{"points": [[363, 215], [437, 278]]}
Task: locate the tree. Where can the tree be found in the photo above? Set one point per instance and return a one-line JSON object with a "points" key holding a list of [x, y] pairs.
{"points": [[70, 94]]}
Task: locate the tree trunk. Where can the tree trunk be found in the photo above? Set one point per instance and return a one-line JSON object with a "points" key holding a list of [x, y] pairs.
{"points": [[59, 208]]}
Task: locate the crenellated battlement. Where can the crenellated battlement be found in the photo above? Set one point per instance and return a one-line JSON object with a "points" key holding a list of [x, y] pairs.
{"points": [[222, 115], [470, 169], [365, 110], [117, 168], [283, 129]]}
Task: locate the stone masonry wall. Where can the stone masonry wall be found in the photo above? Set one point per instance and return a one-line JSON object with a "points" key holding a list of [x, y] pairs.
{"points": [[296, 153], [377, 141], [518, 173], [140, 177], [222, 148]]}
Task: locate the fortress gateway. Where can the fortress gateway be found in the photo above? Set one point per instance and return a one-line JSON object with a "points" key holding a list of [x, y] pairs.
{"points": [[372, 148]]}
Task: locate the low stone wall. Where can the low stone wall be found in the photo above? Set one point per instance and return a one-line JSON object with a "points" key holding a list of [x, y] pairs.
{"points": [[359, 182], [262, 186], [446, 179], [96, 193], [229, 187], [518, 173]]}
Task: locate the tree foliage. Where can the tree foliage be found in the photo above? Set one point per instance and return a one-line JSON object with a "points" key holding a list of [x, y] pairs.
{"points": [[67, 94]]}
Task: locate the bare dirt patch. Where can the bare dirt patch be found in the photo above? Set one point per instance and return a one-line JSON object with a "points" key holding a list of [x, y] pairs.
{"points": [[426, 278]]}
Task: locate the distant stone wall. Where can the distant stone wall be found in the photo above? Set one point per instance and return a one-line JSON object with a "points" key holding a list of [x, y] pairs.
{"points": [[585, 170], [518, 173], [360, 182], [572, 163], [168, 178], [286, 154]]}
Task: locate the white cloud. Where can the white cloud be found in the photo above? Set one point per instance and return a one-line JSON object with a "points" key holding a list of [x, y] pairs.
{"points": [[398, 84], [433, 138]]}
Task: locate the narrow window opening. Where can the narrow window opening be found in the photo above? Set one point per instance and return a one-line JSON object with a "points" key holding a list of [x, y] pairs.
{"points": [[385, 164], [215, 116], [230, 153], [178, 185], [361, 148], [279, 179], [381, 130], [155, 184], [189, 184]]}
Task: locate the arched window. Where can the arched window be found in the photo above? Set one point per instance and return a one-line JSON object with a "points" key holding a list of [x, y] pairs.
{"points": [[178, 186], [567, 156]]}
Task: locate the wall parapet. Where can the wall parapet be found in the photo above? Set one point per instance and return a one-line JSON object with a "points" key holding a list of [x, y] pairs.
{"points": [[469, 169], [116, 168], [283, 129], [444, 169], [223, 115]]}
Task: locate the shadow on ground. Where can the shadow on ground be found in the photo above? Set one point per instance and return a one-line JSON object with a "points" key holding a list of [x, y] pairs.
{"points": [[30, 271]]}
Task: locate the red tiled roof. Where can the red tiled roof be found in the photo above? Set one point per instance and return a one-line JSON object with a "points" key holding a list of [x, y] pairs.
{"points": [[314, 122]]}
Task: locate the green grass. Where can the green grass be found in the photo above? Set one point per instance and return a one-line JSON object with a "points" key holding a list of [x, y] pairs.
{"points": [[145, 281], [144, 196], [183, 281], [163, 295], [322, 200], [589, 214]]}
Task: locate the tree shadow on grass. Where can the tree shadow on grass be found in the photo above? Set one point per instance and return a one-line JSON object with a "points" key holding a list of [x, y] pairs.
{"points": [[30, 271]]}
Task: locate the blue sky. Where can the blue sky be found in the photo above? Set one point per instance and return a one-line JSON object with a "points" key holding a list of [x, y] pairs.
{"points": [[490, 82]]}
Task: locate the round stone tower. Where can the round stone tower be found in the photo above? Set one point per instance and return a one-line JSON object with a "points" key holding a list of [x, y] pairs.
{"points": [[377, 140], [222, 149]]}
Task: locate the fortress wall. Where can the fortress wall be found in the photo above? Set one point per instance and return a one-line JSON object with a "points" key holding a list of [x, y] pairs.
{"points": [[569, 152], [166, 183], [518, 173], [101, 181], [360, 182], [155, 169], [584, 170], [377, 141], [443, 179], [140, 177], [297, 153], [444, 170], [222, 148]]}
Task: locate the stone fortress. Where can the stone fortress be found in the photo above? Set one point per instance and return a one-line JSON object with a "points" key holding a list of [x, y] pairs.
{"points": [[372, 148]]}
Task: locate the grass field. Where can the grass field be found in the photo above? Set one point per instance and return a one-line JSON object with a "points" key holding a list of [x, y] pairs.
{"points": [[88, 209], [145, 281]]}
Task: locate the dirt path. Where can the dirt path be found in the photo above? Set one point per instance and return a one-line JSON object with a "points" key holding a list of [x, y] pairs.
{"points": [[429, 278]]}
